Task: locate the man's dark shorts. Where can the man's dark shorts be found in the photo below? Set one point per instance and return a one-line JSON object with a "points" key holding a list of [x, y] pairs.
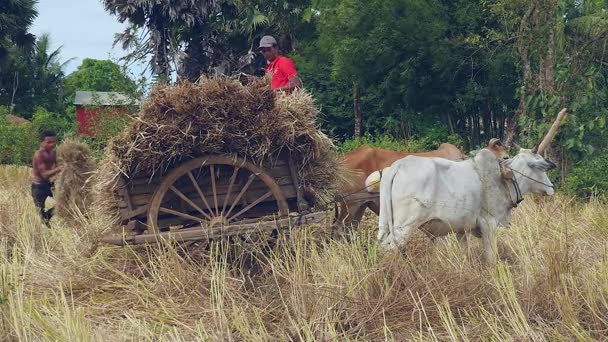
{"points": [[40, 192]]}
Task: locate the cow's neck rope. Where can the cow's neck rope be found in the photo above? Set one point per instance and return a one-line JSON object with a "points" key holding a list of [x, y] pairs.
{"points": [[518, 194], [518, 197]]}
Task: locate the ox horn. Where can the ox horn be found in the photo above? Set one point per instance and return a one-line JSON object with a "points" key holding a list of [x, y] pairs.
{"points": [[551, 134], [495, 141]]}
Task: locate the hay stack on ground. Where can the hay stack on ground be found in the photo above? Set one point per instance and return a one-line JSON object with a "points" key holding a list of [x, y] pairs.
{"points": [[72, 186], [222, 116]]}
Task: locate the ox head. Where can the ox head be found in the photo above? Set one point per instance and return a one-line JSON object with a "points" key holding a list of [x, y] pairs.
{"points": [[530, 171], [530, 167]]}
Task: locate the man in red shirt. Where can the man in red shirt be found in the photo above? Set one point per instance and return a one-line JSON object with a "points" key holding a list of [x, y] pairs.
{"points": [[284, 75]]}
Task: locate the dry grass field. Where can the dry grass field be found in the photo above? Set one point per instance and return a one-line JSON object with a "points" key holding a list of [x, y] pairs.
{"points": [[59, 284]]}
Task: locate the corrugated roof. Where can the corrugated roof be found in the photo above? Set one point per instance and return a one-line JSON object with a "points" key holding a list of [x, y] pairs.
{"points": [[103, 98]]}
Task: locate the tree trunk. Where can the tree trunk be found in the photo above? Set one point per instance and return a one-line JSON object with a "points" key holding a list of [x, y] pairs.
{"points": [[15, 87], [357, 110], [513, 127], [450, 123]]}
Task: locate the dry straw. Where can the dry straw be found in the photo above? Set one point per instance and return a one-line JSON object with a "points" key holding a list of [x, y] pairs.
{"points": [[222, 116], [72, 188]]}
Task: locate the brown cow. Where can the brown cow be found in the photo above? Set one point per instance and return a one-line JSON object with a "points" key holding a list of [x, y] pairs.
{"points": [[365, 160]]}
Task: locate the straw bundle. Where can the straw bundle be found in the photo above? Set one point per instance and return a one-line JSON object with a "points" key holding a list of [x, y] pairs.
{"points": [[222, 116], [72, 188]]}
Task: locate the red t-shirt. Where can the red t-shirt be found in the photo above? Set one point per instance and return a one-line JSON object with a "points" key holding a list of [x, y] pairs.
{"points": [[282, 69]]}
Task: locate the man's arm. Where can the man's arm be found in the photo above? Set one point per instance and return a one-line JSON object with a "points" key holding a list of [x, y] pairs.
{"points": [[293, 83], [288, 68], [42, 168]]}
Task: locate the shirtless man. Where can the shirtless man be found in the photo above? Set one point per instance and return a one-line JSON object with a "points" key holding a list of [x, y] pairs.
{"points": [[43, 168]]}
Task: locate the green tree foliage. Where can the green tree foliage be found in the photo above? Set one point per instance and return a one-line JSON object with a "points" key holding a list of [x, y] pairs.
{"points": [[33, 79], [420, 65], [588, 177], [101, 75]]}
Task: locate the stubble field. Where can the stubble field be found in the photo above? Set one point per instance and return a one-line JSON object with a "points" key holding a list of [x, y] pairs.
{"points": [[61, 284]]}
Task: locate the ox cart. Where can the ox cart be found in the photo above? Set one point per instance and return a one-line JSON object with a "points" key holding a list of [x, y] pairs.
{"points": [[210, 197]]}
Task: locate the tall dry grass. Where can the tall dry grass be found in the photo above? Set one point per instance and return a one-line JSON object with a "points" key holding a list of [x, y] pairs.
{"points": [[58, 284]]}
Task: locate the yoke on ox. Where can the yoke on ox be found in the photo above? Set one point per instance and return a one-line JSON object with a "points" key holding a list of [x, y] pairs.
{"points": [[441, 196]]}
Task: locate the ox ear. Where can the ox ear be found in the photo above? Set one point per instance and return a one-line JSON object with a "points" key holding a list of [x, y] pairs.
{"points": [[535, 149]]}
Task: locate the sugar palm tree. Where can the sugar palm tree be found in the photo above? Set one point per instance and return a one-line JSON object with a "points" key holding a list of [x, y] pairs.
{"points": [[47, 73], [16, 17], [155, 26]]}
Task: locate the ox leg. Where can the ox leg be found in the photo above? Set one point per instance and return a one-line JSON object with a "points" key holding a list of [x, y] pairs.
{"points": [[341, 213], [464, 241], [374, 206], [488, 235], [359, 211], [348, 215], [384, 236], [355, 211], [399, 235]]}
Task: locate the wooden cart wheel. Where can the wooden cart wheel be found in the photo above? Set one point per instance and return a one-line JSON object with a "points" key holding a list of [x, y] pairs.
{"points": [[215, 190]]}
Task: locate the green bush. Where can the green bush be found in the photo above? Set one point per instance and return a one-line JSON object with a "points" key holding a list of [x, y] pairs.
{"points": [[385, 142], [19, 142], [427, 143], [589, 177], [435, 136], [45, 120]]}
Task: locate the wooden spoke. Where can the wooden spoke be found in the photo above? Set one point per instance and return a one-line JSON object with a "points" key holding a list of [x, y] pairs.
{"points": [[232, 179], [253, 204], [165, 208], [187, 200], [182, 215], [213, 187], [243, 190], [198, 190]]}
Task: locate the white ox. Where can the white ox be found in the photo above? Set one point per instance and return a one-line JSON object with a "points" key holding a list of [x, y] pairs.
{"points": [[440, 196]]}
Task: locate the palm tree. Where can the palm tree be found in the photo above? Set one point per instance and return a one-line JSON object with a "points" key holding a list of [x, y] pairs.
{"points": [[47, 72], [155, 26], [201, 36], [16, 17]]}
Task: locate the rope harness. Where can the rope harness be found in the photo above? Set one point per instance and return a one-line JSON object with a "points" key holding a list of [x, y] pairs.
{"points": [[519, 198]]}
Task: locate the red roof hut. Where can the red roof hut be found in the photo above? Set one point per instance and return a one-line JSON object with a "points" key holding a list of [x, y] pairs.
{"points": [[90, 104]]}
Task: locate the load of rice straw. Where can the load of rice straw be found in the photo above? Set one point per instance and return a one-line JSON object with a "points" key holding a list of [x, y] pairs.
{"points": [[221, 116], [72, 186]]}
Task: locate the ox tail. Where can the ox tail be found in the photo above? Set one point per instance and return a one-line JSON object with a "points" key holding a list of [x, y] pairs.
{"points": [[385, 222]]}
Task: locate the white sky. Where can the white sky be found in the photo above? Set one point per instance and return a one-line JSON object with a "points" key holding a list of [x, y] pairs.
{"points": [[83, 28]]}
